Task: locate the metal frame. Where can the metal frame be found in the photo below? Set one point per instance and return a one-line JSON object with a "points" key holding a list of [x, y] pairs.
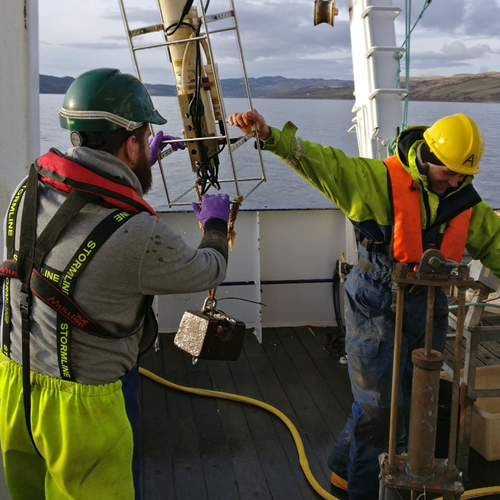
{"points": [[473, 334], [232, 144]]}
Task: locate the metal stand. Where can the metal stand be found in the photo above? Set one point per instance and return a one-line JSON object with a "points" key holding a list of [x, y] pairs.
{"points": [[473, 334], [419, 470]]}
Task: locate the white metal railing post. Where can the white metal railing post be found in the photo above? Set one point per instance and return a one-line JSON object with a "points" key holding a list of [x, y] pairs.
{"points": [[19, 107], [377, 107]]}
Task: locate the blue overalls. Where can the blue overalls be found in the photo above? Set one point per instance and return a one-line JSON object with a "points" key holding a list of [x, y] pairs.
{"points": [[370, 326]]}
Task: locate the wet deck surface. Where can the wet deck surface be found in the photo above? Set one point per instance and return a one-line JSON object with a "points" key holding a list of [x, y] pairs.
{"points": [[205, 448]]}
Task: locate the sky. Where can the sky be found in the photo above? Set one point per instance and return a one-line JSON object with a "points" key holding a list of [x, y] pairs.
{"points": [[278, 38]]}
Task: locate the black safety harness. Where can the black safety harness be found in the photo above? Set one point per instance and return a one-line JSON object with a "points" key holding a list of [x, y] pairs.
{"points": [[55, 287]]}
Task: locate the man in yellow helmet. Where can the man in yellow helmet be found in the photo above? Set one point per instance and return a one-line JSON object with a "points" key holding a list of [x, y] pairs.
{"points": [[427, 185]]}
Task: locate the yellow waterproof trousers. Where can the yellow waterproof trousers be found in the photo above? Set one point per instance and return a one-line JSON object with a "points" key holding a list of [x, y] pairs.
{"points": [[86, 437]]}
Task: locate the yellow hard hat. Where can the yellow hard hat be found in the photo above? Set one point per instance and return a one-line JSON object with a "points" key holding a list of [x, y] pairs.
{"points": [[457, 142]]}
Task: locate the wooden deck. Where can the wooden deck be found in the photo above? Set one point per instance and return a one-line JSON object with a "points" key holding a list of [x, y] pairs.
{"points": [[488, 351], [204, 448]]}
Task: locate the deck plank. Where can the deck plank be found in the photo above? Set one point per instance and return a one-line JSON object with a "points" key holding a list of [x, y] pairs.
{"points": [[188, 472], [214, 450], [248, 472], [310, 397], [157, 460], [204, 448], [263, 430], [287, 479]]}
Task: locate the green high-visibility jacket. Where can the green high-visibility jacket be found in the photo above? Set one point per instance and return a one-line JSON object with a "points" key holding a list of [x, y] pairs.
{"points": [[360, 188]]}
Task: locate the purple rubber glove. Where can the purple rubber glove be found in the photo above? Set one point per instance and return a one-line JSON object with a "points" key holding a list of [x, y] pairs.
{"points": [[214, 206], [156, 145]]}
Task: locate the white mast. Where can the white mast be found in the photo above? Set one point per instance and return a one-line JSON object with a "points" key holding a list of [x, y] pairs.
{"points": [[19, 100], [377, 107], [19, 105], [376, 71]]}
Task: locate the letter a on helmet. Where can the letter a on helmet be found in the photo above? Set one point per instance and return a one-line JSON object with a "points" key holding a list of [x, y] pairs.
{"points": [[104, 99], [458, 142]]}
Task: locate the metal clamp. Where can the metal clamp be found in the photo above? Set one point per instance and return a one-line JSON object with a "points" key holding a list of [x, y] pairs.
{"points": [[209, 305]]}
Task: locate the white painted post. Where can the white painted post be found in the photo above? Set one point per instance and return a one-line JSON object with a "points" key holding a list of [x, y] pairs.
{"points": [[19, 106], [377, 108]]}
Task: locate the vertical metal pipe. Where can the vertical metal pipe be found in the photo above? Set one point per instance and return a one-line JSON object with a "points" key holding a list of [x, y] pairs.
{"points": [[398, 333], [457, 364], [431, 295], [423, 414]]}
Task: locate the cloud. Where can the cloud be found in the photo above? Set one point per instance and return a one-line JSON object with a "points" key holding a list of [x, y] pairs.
{"points": [[451, 55], [134, 14], [96, 46], [278, 38], [458, 51], [483, 19]]}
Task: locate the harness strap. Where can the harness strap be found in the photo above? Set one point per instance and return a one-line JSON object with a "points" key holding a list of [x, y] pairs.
{"points": [[27, 238], [52, 295], [10, 237], [84, 254], [71, 206], [25, 266], [30, 257], [377, 247], [10, 234]]}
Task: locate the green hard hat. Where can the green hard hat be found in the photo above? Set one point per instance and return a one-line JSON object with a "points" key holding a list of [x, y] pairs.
{"points": [[104, 99]]}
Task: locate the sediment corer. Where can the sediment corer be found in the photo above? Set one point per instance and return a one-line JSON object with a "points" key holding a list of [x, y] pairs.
{"points": [[196, 89], [217, 103], [180, 21]]}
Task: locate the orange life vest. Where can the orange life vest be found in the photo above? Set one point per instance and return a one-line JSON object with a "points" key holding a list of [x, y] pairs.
{"points": [[407, 245]]}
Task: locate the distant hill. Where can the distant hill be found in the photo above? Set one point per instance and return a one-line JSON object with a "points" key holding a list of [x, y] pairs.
{"points": [[54, 84], [482, 87], [267, 86]]}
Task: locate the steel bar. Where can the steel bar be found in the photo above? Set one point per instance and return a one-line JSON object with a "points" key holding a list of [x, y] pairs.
{"points": [[429, 323], [395, 372], [457, 364]]}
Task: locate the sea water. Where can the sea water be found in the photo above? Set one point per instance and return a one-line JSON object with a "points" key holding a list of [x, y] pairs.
{"points": [[323, 121]]}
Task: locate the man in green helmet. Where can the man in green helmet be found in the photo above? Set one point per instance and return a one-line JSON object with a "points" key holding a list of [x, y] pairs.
{"points": [[84, 256]]}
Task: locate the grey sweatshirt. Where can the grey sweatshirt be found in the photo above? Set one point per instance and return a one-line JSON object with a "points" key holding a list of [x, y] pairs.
{"points": [[143, 257]]}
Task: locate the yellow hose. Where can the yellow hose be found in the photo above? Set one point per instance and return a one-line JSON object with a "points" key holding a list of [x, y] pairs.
{"points": [[304, 464], [478, 493]]}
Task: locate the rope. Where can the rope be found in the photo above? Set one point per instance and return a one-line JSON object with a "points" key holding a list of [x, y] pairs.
{"points": [[231, 233], [476, 304], [197, 183], [408, 32]]}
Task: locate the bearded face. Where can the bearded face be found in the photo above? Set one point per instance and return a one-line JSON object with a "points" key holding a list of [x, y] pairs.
{"points": [[142, 168]]}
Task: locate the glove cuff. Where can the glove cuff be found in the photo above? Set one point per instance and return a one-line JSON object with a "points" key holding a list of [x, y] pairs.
{"points": [[216, 225]]}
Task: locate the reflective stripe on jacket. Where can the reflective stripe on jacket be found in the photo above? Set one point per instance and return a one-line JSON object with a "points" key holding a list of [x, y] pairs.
{"points": [[360, 188]]}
